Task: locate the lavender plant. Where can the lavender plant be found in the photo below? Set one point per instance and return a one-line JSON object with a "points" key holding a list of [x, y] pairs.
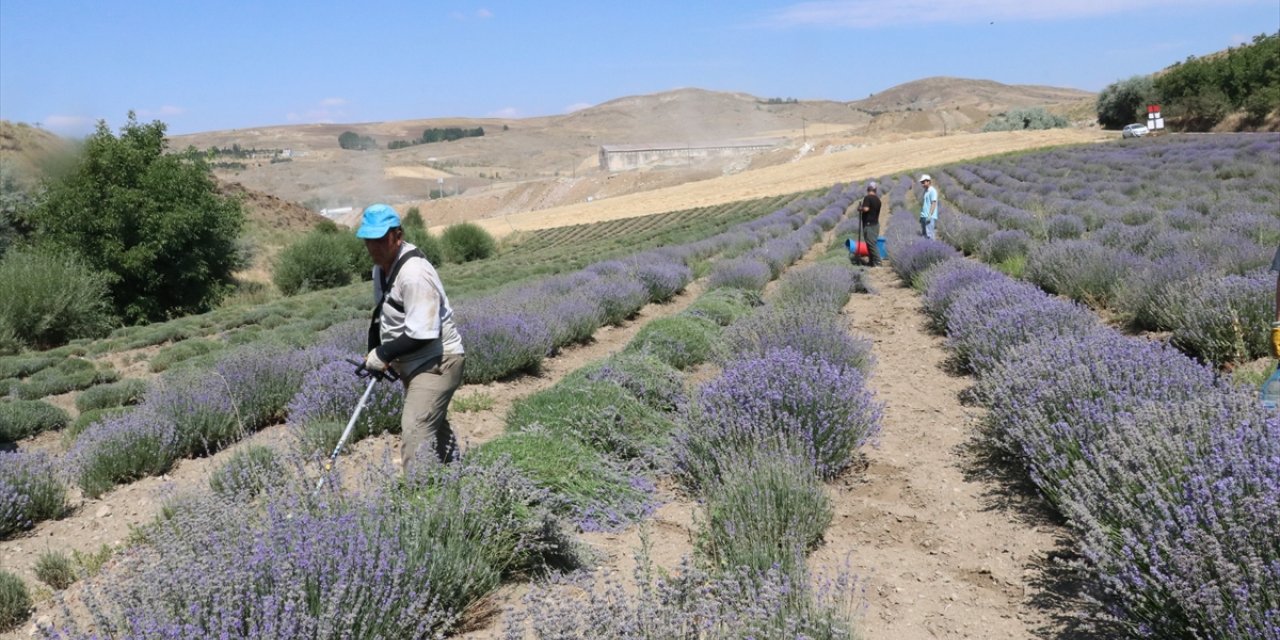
{"points": [[681, 341], [122, 448], [781, 398], [501, 343], [692, 603], [648, 379], [602, 414], [30, 491], [813, 334], [741, 273], [394, 563], [764, 512]]}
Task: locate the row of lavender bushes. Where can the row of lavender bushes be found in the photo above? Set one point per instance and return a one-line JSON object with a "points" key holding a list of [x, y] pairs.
{"points": [[199, 411], [469, 525], [753, 444], [1169, 476], [1170, 235]]}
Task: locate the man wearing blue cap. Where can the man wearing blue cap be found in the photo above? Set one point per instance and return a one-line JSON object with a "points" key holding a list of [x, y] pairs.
{"points": [[412, 331]]}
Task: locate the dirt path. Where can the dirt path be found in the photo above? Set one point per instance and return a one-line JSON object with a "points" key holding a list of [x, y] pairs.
{"points": [[944, 548]]}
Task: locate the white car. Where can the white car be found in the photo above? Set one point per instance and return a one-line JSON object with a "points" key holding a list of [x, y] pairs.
{"points": [[1135, 131]]}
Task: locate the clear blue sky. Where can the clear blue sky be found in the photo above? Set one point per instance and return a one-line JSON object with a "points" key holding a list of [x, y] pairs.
{"points": [[201, 65]]}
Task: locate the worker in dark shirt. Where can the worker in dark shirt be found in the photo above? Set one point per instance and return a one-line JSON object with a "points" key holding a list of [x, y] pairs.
{"points": [[869, 209]]}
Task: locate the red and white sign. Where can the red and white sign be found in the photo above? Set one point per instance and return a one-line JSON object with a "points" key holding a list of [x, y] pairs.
{"points": [[1154, 119]]}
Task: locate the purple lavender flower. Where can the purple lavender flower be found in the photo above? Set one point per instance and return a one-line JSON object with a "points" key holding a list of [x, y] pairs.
{"points": [[30, 491]]}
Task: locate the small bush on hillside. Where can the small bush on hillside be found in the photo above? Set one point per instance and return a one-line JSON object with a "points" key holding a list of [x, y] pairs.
{"points": [[88, 418], [116, 394], [180, 351], [123, 448], [69, 375], [15, 602], [29, 491], [428, 244], [24, 418], [248, 473], [47, 299], [25, 365], [320, 260], [1025, 119], [56, 569], [465, 241]]}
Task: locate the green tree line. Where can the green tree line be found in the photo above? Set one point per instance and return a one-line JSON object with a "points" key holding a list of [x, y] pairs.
{"points": [[1200, 92]]}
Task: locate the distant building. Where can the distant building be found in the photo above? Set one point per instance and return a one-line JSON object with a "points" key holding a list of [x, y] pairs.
{"points": [[335, 212], [623, 157]]}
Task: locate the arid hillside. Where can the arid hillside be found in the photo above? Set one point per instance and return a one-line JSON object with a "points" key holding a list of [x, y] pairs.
{"points": [[534, 163]]}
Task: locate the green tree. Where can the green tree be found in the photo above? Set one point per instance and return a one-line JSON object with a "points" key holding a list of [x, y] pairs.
{"points": [[466, 241], [155, 222], [1123, 102]]}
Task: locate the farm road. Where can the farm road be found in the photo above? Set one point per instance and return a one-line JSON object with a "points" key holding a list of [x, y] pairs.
{"points": [[944, 546]]}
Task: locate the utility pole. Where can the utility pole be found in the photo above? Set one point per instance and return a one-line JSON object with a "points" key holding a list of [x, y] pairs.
{"points": [[804, 130]]}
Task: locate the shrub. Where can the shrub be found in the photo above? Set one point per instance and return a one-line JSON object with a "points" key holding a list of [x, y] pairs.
{"points": [[248, 473], [501, 343], [819, 287], [735, 604], [419, 237], [69, 375], [24, 418], [913, 259], [388, 563], [320, 260], [15, 602], [1025, 119], [681, 341], [765, 512], [1119, 103], [1079, 269], [946, 281], [740, 273], [55, 569], [116, 394], [87, 419], [988, 321], [122, 448], [1224, 319], [600, 413], [966, 233], [30, 491], [25, 365], [180, 351], [1064, 227], [663, 279], [649, 379], [580, 482], [328, 396], [48, 298], [466, 241], [620, 296], [819, 336], [724, 306], [119, 186], [784, 400]]}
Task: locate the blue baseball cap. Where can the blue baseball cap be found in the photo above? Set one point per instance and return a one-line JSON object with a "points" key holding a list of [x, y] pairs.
{"points": [[377, 220]]}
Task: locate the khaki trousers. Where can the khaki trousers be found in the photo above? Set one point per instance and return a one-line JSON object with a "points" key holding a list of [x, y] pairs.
{"points": [[425, 418]]}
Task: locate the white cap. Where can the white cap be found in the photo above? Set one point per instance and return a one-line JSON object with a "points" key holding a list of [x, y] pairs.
{"points": [[925, 177]]}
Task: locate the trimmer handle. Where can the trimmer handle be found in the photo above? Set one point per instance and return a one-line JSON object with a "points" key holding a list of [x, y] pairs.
{"points": [[362, 371]]}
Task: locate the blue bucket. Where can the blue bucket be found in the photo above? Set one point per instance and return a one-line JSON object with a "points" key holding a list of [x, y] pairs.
{"points": [[880, 246]]}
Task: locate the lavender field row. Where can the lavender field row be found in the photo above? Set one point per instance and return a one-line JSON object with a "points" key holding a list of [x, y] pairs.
{"points": [[1169, 476], [495, 515], [1171, 234]]}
